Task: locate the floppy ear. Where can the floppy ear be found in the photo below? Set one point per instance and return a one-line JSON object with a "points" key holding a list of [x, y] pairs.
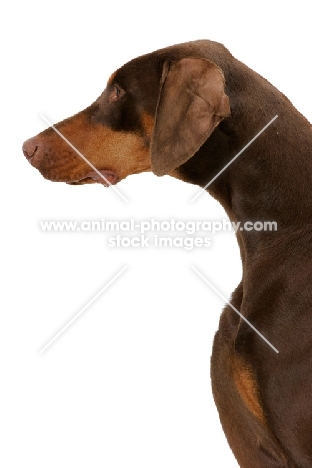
{"points": [[191, 103]]}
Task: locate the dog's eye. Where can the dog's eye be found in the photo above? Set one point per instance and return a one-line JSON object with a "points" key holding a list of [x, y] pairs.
{"points": [[115, 94]]}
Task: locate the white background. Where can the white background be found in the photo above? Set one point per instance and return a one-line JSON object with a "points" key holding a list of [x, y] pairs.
{"points": [[128, 383]]}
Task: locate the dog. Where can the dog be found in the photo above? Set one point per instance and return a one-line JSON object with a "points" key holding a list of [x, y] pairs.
{"points": [[187, 111]]}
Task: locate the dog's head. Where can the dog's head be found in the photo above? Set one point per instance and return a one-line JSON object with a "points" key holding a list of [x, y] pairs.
{"points": [[154, 114]]}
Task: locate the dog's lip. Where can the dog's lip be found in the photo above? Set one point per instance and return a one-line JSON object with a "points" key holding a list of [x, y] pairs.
{"points": [[104, 177]]}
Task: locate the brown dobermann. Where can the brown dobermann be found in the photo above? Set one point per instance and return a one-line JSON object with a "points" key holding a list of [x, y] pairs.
{"points": [[186, 111]]}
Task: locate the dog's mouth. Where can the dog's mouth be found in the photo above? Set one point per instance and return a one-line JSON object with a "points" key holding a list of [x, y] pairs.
{"points": [[103, 177]]}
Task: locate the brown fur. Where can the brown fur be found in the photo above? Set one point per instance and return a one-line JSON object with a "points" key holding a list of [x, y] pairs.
{"points": [[187, 110]]}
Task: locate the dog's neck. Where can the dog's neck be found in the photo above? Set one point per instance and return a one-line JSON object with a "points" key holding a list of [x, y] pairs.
{"points": [[262, 184]]}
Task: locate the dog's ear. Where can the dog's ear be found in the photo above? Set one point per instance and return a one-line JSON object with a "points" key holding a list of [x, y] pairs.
{"points": [[191, 103]]}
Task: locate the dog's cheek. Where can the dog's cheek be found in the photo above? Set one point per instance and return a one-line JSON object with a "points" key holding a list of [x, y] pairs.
{"points": [[122, 152]]}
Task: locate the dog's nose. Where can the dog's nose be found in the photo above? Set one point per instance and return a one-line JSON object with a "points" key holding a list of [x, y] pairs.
{"points": [[30, 149]]}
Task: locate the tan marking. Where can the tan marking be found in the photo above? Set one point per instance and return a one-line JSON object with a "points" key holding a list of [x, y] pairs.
{"points": [[121, 152], [148, 124], [111, 78], [246, 385]]}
